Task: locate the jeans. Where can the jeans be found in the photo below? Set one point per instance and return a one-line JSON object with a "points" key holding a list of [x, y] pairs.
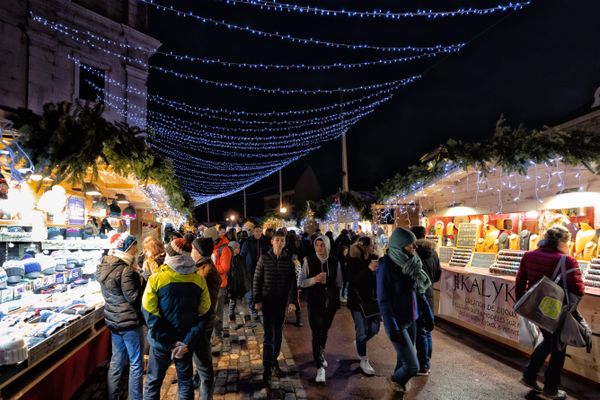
{"points": [[250, 301], [407, 364], [424, 344], [204, 366], [273, 319], [157, 368], [365, 328], [320, 320], [549, 346], [232, 308], [127, 346], [219, 312]]}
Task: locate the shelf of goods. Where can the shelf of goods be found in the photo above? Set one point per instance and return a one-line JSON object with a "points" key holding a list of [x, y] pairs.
{"points": [[592, 275], [460, 257], [508, 262]]}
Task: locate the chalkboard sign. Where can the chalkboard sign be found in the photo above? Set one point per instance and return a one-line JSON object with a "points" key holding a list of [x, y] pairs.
{"points": [[468, 234], [446, 254], [482, 260]]}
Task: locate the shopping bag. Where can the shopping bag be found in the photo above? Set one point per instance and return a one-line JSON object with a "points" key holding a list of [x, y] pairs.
{"points": [[529, 334], [575, 330], [542, 304]]}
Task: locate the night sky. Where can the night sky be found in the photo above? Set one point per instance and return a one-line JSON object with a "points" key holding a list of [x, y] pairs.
{"points": [[537, 66]]}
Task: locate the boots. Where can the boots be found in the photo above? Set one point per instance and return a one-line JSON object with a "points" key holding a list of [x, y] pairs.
{"points": [[395, 391]]}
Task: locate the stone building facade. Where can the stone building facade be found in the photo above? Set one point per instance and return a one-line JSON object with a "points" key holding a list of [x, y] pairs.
{"points": [[56, 50]]}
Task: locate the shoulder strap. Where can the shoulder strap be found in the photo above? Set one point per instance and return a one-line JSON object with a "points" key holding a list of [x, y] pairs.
{"points": [[559, 268]]}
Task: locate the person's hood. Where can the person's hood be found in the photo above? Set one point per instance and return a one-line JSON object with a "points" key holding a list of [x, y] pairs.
{"points": [[121, 255], [181, 264], [107, 266], [425, 248], [203, 261], [327, 242]]}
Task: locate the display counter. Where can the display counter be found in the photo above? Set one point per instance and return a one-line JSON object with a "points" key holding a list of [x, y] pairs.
{"points": [[482, 302]]}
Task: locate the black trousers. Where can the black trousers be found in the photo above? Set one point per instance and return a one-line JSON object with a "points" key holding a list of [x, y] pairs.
{"points": [[549, 347], [320, 319]]}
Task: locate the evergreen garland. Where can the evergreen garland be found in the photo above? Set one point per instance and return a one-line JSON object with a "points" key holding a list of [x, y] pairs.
{"points": [[512, 149], [67, 139]]}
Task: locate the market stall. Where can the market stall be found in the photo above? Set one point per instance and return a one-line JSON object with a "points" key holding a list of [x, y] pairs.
{"points": [[484, 217]]}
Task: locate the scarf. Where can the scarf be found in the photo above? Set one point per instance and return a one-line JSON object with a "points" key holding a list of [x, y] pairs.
{"points": [[411, 266]]}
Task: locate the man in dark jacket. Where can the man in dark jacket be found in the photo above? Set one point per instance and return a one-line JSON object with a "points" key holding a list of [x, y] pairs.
{"points": [[176, 305], [238, 279], [322, 280], [254, 247], [273, 290], [122, 292], [431, 266]]}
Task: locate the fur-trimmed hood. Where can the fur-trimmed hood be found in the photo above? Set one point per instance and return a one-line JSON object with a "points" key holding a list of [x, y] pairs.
{"points": [[425, 247]]}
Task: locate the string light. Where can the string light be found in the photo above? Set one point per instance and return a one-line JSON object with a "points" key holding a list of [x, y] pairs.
{"points": [[429, 14], [295, 39]]}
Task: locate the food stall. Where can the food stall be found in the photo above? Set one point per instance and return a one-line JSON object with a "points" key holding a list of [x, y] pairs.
{"points": [[483, 219]]}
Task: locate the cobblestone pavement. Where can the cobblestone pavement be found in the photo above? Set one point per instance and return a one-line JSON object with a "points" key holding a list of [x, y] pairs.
{"points": [[238, 369]]}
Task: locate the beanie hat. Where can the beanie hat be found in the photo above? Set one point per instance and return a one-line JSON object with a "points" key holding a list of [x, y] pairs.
{"points": [[60, 259], [32, 267], [3, 278], [179, 247], [123, 241], [402, 237], [204, 246], [211, 233], [48, 264], [419, 231], [14, 270], [234, 245]]}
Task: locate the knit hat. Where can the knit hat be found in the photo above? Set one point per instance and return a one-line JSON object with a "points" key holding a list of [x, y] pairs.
{"points": [[179, 247], [60, 260], [48, 264], [204, 246], [14, 270], [123, 241], [32, 267], [211, 233], [401, 237], [3, 278], [234, 245]]}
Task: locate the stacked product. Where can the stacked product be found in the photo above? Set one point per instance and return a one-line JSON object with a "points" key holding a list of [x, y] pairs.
{"points": [[508, 262], [461, 257], [592, 277]]}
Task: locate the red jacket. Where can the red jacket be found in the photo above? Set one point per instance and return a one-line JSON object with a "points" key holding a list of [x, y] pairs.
{"points": [[222, 260], [537, 263]]}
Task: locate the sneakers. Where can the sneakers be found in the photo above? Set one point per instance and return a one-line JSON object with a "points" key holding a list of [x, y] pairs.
{"points": [[366, 368], [320, 378], [325, 363], [423, 372], [299, 324], [558, 395], [531, 384]]}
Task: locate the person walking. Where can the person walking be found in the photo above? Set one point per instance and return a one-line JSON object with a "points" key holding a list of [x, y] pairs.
{"points": [[400, 281], [534, 266], [222, 259], [273, 290], [322, 280], [204, 377], [176, 306], [431, 266], [238, 280], [362, 298], [252, 250], [122, 291]]}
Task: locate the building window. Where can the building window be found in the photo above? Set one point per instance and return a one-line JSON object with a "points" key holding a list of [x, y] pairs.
{"points": [[91, 83]]}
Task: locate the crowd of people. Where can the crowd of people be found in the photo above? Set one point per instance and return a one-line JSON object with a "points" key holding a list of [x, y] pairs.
{"points": [[170, 303]]}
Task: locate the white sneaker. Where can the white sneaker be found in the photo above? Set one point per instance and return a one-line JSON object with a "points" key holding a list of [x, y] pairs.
{"points": [[325, 363], [366, 367], [320, 378]]}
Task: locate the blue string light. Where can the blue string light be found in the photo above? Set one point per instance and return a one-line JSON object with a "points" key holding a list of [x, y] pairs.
{"points": [[429, 14], [295, 39]]}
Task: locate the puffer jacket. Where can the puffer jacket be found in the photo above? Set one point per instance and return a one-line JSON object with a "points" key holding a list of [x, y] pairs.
{"points": [[207, 269], [542, 262], [222, 258], [274, 279], [121, 288], [431, 264]]}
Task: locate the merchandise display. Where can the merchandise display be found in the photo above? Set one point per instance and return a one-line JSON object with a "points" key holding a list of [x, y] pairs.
{"points": [[508, 262], [592, 275], [461, 257]]}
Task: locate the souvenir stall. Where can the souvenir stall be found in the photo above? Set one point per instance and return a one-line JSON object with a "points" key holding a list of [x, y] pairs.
{"points": [[491, 222], [53, 233]]}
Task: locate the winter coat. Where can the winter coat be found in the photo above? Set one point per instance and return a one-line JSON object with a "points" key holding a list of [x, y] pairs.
{"points": [[122, 291], [207, 269], [222, 258], [252, 249], [176, 304], [321, 296], [360, 278], [431, 264], [396, 295], [238, 278], [274, 279], [542, 262]]}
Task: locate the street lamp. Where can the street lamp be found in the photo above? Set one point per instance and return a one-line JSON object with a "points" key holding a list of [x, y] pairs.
{"points": [[232, 218], [283, 210]]}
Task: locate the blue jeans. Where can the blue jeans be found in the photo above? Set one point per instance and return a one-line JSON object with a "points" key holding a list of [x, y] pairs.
{"points": [[157, 368], [365, 328], [407, 364], [424, 344], [127, 346], [250, 300], [273, 319], [204, 366]]}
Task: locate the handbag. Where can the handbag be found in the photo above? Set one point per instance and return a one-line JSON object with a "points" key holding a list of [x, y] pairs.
{"points": [[368, 309], [543, 304], [575, 330]]}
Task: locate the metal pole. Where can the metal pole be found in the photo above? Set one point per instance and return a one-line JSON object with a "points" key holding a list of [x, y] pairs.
{"points": [[280, 191], [208, 211], [345, 185], [244, 203]]}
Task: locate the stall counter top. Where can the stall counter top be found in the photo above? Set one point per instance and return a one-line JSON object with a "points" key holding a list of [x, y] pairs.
{"points": [[589, 291]]}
